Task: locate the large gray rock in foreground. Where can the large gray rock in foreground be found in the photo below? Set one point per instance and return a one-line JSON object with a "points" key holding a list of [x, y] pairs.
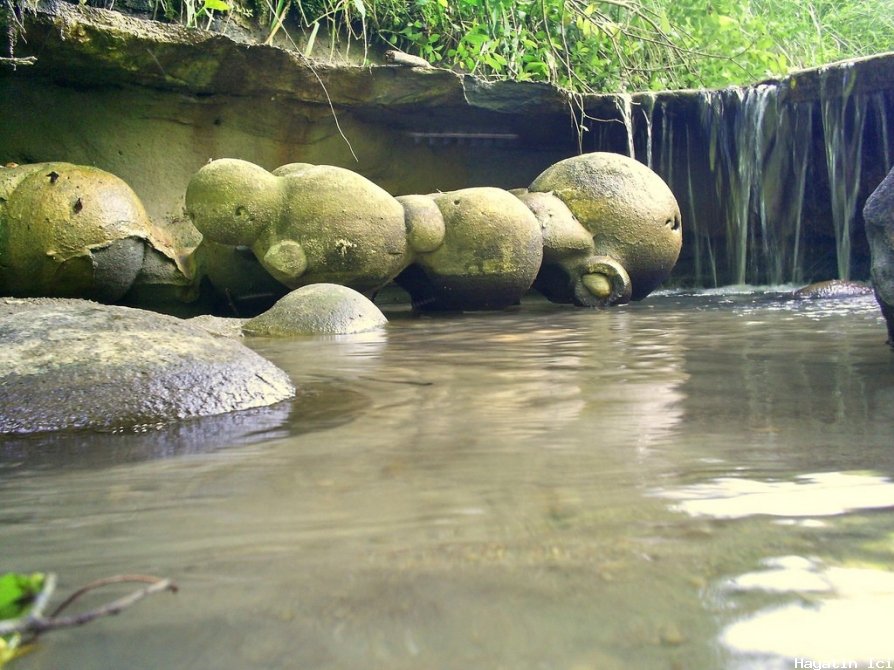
{"points": [[69, 364], [879, 216]]}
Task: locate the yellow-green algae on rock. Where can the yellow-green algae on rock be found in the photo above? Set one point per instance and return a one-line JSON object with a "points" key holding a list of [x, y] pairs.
{"points": [[491, 251], [306, 224], [628, 211], [73, 231]]}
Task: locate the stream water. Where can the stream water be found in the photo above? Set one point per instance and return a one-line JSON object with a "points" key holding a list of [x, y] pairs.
{"points": [[698, 481]]}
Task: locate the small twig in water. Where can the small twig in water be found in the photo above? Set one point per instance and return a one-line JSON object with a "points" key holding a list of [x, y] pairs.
{"points": [[35, 623]]}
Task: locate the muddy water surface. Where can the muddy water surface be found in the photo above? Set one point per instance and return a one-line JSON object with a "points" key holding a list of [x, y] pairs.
{"points": [[698, 481]]}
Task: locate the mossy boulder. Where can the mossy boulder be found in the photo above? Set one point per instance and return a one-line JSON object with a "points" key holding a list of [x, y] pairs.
{"points": [[424, 222], [318, 309], [306, 224], [490, 255], [597, 229], [76, 231], [75, 364], [69, 230], [629, 213]]}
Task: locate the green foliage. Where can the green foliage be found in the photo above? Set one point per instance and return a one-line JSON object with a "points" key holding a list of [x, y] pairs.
{"points": [[735, 41], [596, 45], [17, 593], [188, 12]]}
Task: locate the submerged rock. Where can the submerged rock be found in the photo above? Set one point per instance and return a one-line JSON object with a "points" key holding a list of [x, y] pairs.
{"points": [[73, 364], [879, 216], [833, 288], [318, 309]]}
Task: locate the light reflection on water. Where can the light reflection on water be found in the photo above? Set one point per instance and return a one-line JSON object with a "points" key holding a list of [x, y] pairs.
{"points": [[494, 490]]}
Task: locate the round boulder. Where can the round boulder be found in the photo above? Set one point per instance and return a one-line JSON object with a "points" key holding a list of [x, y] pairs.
{"points": [[491, 251], [318, 309], [69, 231], [628, 210], [74, 364], [306, 224]]}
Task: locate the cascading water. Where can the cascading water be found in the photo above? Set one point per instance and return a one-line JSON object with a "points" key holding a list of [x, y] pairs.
{"points": [[877, 104], [843, 120], [704, 261], [767, 181], [758, 151], [647, 104], [625, 107]]}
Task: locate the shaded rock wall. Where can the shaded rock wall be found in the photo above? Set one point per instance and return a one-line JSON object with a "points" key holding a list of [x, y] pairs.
{"points": [[152, 103]]}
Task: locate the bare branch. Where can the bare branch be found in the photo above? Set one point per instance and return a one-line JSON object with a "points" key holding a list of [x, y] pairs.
{"points": [[35, 623]]}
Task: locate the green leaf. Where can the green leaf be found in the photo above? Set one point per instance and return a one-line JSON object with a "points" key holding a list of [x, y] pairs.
{"points": [[725, 21], [17, 592], [537, 67], [217, 5], [311, 39], [360, 7]]}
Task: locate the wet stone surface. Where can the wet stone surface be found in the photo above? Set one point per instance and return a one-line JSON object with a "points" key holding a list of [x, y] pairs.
{"points": [[73, 364]]}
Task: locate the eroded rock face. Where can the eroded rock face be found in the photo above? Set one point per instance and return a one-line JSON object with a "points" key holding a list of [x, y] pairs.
{"points": [[628, 212], [318, 309], [879, 216], [75, 364], [76, 231]]}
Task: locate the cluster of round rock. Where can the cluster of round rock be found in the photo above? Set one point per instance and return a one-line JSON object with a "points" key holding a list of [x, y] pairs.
{"points": [[593, 230]]}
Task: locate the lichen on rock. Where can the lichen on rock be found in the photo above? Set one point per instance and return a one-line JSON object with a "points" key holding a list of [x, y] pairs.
{"points": [[306, 224], [74, 231], [626, 209]]}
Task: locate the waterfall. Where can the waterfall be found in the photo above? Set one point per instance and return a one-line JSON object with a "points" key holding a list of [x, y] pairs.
{"points": [[759, 149], [799, 157], [769, 178], [625, 106], [695, 233], [877, 101], [734, 118], [647, 102], [843, 119]]}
